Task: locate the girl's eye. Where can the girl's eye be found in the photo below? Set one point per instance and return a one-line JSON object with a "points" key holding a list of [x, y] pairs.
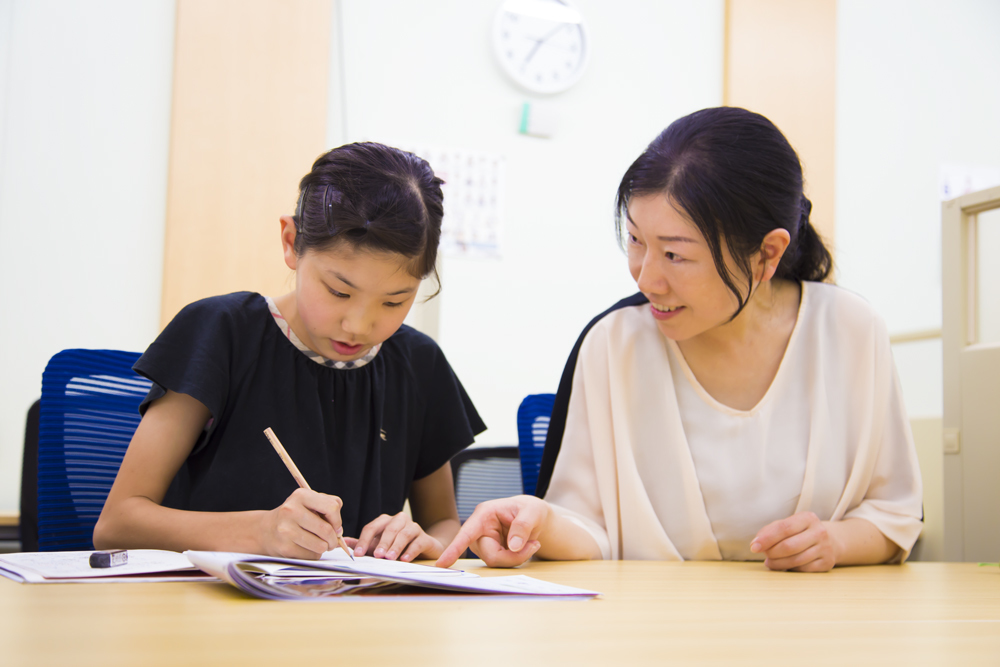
{"points": [[390, 304], [673, 257], [633, 239], [339, 295]]}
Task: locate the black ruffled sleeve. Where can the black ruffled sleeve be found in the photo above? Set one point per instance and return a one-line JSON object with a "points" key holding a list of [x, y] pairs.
{"points": [[195, 352], [451, 421]]}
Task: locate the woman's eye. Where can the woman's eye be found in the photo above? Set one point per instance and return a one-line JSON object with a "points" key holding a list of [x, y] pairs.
{"points": [[339, 295], [390, 304], [673, 257], [632, 239]]}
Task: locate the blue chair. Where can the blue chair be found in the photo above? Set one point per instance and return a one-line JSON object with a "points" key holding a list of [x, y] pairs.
{"points": [[88, 413], [532, 427]]}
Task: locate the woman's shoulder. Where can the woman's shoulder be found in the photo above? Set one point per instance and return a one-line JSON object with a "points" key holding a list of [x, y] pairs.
{"points": [[837, 310], [626, 312]]}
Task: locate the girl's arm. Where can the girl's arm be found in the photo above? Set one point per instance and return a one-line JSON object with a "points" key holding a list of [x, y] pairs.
{"points": [[805, 544], [432, 502], [509, 531], [133, 517], [434, 523]]}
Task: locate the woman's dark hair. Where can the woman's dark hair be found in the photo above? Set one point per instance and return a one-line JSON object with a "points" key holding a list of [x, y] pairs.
{"points": [[374, 197], [733, 173]]}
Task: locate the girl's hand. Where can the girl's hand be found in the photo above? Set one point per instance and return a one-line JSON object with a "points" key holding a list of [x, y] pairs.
{"points": [[392, 537], [801, 543], [504, 532], [304, 526]]}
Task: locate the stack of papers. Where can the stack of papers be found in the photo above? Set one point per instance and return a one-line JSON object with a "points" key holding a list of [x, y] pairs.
{"points": [[74, 566], [335, 574]]}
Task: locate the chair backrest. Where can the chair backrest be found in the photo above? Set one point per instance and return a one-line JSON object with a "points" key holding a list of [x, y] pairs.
{"points": [[89, 411], [532, 427], [484, 473], [28, 525]]}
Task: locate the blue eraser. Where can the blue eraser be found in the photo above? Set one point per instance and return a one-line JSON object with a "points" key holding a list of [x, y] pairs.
{"points": [[110, 558]]}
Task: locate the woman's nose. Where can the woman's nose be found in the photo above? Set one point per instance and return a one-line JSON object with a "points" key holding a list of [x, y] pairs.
{"points": [[651, 279]]}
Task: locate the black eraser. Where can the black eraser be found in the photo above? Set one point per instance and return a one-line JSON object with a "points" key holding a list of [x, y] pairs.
{"points": [[109, 558]]}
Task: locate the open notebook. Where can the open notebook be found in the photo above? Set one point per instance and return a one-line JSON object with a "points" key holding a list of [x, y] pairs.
{"points": [[336, 575]]}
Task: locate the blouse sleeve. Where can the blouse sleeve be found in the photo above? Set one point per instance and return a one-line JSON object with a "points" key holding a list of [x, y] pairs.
{"points": [[573, 491], [192, 355], [894, 495]]}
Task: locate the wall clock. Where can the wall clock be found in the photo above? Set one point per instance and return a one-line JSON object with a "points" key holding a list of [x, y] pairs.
{"points": [[543, 45]]}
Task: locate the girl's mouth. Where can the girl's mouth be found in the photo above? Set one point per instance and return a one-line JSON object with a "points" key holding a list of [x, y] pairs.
{"points": [[345, 349]]}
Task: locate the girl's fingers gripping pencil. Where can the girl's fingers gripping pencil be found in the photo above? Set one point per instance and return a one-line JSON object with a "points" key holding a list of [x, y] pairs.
{"points": [[294, 469]]}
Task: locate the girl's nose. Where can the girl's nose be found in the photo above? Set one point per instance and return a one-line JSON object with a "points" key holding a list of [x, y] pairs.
{"points": [[357, 322]]}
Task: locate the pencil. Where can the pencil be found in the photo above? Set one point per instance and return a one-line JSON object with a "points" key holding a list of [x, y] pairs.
{"points": [[294, 469]]}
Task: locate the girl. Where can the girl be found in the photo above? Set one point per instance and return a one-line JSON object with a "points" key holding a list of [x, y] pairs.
{"points": [[368, 408], [737, 408]]}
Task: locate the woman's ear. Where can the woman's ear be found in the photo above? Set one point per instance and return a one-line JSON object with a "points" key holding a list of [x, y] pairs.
{"points": [[288, 241], [772, 249]]}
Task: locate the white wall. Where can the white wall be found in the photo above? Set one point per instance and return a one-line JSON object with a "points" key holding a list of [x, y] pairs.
{"points": [[415, 77], [84, 123], [916, 89]]}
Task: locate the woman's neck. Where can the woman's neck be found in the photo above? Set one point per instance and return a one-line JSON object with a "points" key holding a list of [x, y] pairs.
{"points": [[737, 361], [771, 309]]}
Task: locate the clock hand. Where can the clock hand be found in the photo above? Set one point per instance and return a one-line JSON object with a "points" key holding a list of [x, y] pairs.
{"points": [[539, 42]]}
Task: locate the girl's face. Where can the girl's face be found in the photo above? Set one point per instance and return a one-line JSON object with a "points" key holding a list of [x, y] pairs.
{"points": [[347, 300], [673, 266]]}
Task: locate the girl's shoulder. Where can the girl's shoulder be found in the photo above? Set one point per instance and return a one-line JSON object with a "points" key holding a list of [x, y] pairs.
{"points": [[233, 306], [240, 318], [413, 348]]}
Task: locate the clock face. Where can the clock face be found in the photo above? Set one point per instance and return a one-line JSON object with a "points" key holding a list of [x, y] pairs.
{"points": [[542, 44]]}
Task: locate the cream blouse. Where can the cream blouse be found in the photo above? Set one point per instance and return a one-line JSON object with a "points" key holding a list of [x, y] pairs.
{"points": [[654, 468]]}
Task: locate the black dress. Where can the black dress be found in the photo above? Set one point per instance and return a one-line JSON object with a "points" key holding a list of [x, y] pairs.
{"points": [[363, 434]]}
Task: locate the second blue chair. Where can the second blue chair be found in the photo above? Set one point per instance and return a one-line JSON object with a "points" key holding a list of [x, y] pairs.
{"points": [[532, 427]]}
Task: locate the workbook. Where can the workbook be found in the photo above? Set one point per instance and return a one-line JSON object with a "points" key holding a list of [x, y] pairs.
{"points": [[335, 574]]}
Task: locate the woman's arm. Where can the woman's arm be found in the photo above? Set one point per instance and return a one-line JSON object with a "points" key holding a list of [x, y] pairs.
{"points": [[509, 531], [803, 543], [133, 517]]}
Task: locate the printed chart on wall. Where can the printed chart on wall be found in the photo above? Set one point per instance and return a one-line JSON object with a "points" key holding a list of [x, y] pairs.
{"points": [[473, 200]]}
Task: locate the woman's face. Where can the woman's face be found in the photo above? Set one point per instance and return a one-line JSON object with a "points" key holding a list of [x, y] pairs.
{"points": [[673, 266]]}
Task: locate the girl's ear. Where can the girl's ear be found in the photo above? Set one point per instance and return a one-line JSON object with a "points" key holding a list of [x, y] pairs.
{"points": [[288, 241], [772, 248]]}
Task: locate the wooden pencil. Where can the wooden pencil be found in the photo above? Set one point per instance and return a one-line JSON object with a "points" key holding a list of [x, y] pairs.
{"points": [[294, 469]]}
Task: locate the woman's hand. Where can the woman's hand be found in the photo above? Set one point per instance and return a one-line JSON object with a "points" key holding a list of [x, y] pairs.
{"points": [[393, 537], [801, 543], [304, 526], [504, 532]]}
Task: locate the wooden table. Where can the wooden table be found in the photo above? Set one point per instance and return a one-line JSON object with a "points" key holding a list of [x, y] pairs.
{"points": [[650, 613]]}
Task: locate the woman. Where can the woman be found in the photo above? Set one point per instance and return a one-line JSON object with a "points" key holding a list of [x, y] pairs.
{"points": [[738, 408]]}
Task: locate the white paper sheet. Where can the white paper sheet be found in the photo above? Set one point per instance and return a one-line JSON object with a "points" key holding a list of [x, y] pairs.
{"points": [[65, 566]]}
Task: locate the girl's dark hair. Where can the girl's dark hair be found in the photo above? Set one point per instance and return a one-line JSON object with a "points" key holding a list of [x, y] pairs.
{"points": [[374, 197], [733, 173]]}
